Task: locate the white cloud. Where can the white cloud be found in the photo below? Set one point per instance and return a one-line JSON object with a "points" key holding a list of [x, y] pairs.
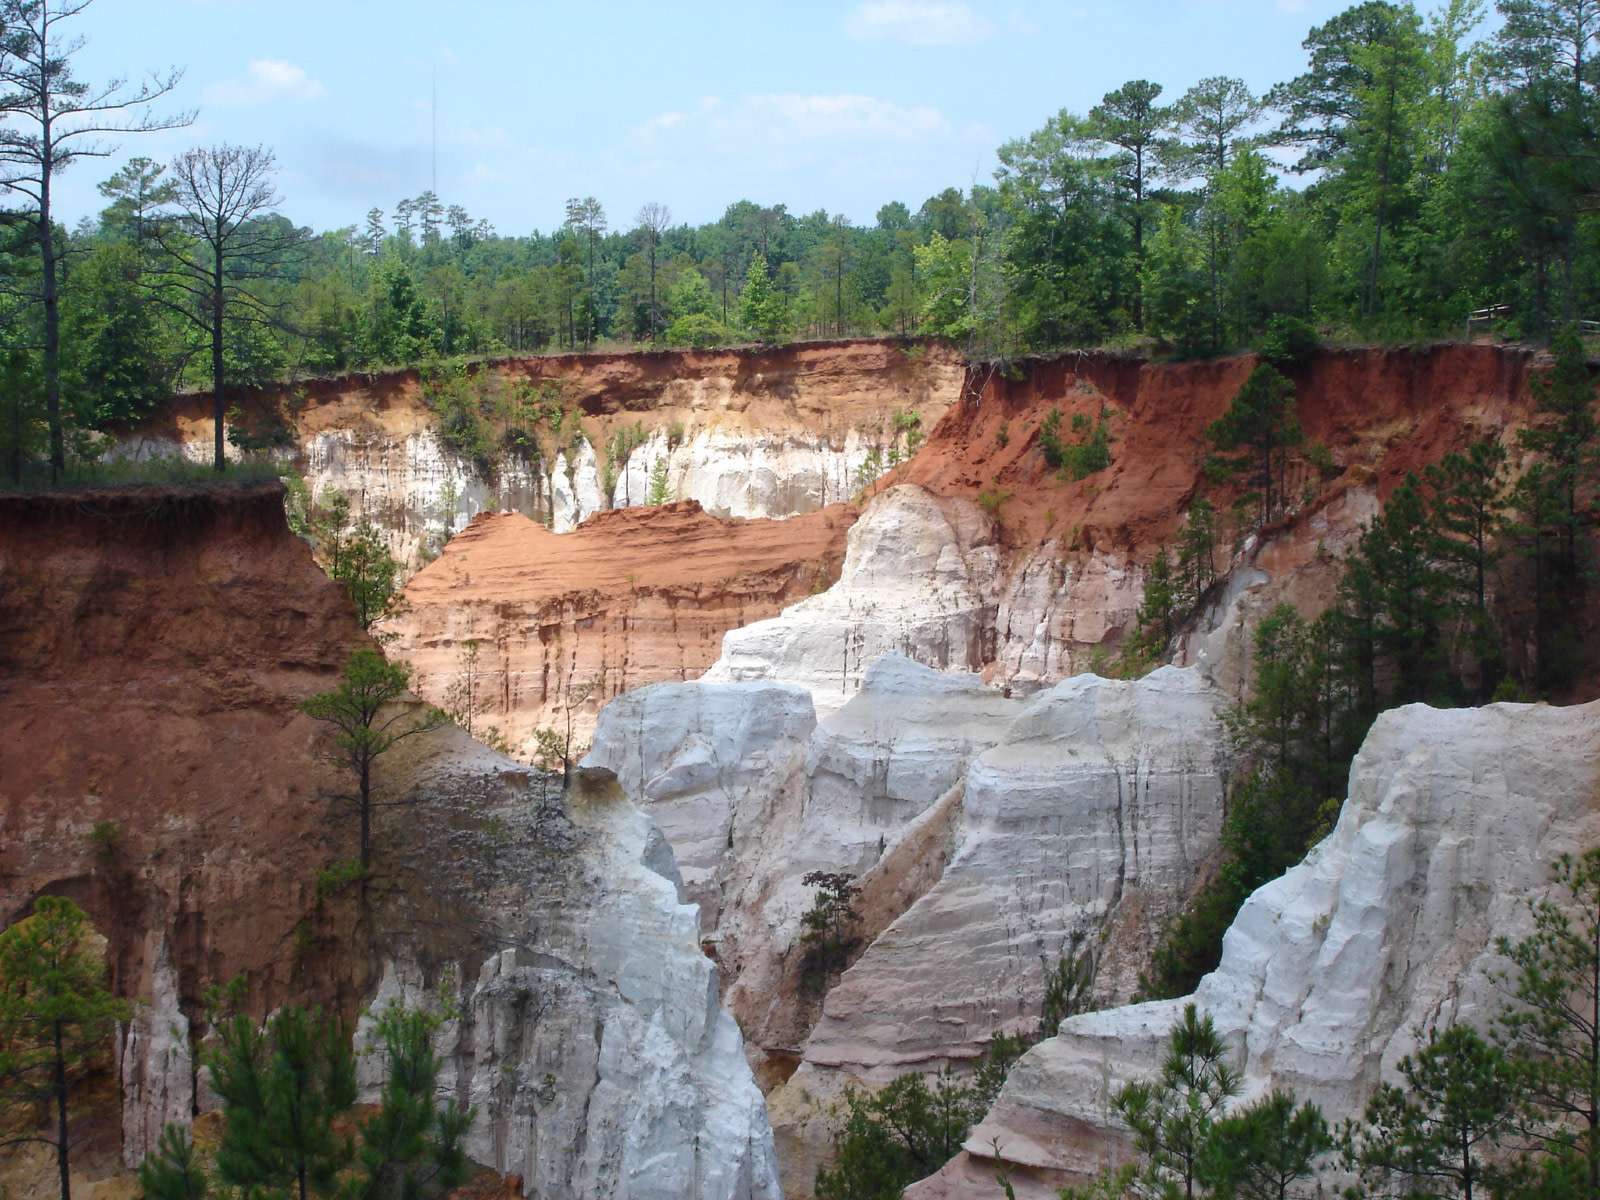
{"points": [[919, 22], [266, 79], [757, 125]]}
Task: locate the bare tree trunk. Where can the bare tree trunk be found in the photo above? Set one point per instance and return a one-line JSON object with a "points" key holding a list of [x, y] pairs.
{"points": [[218, 404], [366, 819], [61, 1116], [52, 298]]}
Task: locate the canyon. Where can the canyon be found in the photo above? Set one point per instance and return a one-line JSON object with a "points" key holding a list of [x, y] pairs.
{"points": [[838, 648], [1334, 972], [157, 642], [745, 433]]}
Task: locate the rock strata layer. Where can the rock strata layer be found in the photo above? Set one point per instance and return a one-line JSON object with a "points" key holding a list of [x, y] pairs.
{"points": [[990, 834], [1330, 974], [156, 643], [630, 598], [751, 432]]}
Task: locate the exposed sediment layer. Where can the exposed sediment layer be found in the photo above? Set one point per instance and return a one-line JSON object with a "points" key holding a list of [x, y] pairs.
{"points": [[989, 562], [630, 598], [747, 432], [154, 645], [1331, 973]]}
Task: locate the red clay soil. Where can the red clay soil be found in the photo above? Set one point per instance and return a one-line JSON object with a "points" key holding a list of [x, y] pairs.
{"points": [[1390, 410], [635, 596], [153, 644]]}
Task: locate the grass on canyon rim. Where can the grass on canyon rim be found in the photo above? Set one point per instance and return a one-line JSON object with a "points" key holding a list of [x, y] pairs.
{"points": [[169, 471]]}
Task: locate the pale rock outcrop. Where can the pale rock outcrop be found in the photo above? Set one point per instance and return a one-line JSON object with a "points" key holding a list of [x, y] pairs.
{"points": [[416, 490], [989, 834], [1097, 809], [744, 473], [872, 770], [1082, 831], [1053, 609], [754, 794], [1330, 973], [591, 1039], [912, 583], [155, 1062], [715, 766]]}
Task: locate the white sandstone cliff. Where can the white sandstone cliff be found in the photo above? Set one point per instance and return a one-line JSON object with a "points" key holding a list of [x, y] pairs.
{"points": [[911, 584], [584, 1021], [1331, 973], [988, 833]]}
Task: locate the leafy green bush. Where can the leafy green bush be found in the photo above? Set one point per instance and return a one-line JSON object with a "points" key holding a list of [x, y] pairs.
{"points": [[700, 330], [104, 838], [1287, 340], [336, 877], [1078, 459]]}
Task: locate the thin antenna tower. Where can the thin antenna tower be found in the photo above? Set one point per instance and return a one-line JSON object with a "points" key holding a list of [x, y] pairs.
{"points": [[434, 107]]}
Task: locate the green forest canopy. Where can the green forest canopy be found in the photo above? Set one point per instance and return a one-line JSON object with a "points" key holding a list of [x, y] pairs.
{"points": [[1414, 172]]}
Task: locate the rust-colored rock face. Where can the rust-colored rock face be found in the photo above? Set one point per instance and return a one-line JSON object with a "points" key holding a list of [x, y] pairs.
{"points": [[1392, 410], [152, 647], [631, 597], [644, 595], [823, 388]]}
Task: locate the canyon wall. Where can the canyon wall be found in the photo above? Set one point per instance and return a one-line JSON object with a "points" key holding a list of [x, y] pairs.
{"points": [[976, 560], [893, 688], [155, 644], [1333, 972], [991, 836], [974, 555], [752, 432], [564, 622]]}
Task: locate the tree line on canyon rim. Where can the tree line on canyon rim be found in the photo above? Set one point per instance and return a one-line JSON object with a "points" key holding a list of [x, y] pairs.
{"points": [[1435, 172]]}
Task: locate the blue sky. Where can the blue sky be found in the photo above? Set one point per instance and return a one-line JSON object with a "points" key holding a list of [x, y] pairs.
{"points": [[811, 103]]}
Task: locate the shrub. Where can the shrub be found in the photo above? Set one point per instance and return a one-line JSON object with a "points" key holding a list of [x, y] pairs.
{"points": [[336, 877], [830, 928], [104, 838]]}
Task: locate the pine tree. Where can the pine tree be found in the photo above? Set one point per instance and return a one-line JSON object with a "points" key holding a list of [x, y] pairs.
{"points": [[56, 1018], [1172, 1115], [1467, 509], [1535, 518], [760, 309], [1402, 595], [660, 486], [169, 1172], [1197, 544], [1261, 420], [368, 572], [1552, 1030], [1459, 1095], [282, 1089], [361, 734], [409, 1148], [1262, 1150], [1567, 393]]}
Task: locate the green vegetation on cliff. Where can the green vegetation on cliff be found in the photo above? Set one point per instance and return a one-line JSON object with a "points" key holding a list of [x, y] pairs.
{"points": [[1415, 171]]}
